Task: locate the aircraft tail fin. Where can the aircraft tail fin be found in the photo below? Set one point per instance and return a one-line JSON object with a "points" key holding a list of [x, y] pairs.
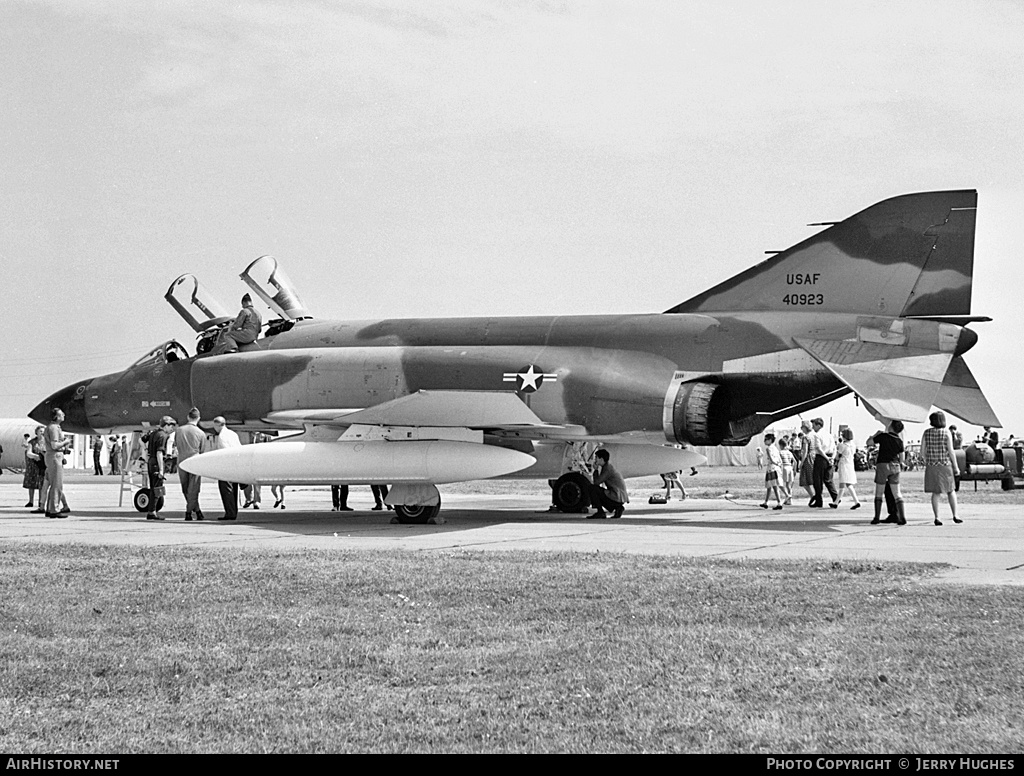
{"points": [[911, 255]]}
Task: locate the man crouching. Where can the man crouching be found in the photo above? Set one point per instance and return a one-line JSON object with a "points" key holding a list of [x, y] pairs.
{"points": [[609, 489]]}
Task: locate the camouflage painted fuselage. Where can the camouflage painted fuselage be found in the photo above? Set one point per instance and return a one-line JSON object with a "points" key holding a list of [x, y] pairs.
{"points": [[608, 374]]}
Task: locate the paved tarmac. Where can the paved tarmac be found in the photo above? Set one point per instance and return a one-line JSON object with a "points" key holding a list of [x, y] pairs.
{"points": [[988, 548]]}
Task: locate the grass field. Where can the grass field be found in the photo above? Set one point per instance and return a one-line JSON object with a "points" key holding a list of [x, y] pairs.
{"points": [[189, 650]]}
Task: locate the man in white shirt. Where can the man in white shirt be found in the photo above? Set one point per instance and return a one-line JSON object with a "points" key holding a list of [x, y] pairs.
{"points": [[824, 454], [223, 437], [56, 446]]}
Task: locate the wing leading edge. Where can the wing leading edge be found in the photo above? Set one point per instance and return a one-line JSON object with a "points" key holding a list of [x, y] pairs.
{"points": [[436, 409]]}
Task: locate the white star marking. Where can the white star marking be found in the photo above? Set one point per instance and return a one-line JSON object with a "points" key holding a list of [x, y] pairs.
{"points": [[529, 379]]}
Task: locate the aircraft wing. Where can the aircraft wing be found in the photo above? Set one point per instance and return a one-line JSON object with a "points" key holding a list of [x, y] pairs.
{"points": [[961, 395], [436, 409], [895, 381], [413, 443]]}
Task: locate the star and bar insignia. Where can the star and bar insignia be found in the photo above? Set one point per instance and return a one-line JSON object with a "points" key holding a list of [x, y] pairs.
{"points": [[528, 379]]}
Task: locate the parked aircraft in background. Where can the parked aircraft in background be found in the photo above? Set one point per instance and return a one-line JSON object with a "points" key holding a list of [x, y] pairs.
{"points": [[12, 437], [877, 304]]}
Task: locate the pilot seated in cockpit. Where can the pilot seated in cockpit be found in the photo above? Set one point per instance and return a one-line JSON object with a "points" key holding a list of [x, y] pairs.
{"points": [[244, 329]]}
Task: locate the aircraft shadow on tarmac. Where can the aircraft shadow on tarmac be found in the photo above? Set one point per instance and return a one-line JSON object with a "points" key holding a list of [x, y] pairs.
{"points": [[311, 523]]}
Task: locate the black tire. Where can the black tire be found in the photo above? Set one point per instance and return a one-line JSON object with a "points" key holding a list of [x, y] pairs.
{"points": [[142, 499], [1007, 483], [571, 493], [418, 515]]}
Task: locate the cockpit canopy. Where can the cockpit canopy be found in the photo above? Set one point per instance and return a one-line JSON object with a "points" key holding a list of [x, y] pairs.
{"points": [[195, 304], [270, 282], [166, 353]]}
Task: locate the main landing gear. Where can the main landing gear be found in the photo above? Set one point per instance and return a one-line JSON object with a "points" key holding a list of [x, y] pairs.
{"points": [[571, 493], [415, 504], [417, 515]]}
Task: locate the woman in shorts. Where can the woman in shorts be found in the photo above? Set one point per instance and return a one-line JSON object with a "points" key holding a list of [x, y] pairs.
{"points": [[940, 469], [887, 470]]}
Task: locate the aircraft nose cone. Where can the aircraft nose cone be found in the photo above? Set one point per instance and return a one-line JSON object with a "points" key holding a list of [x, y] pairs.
{"points": [[41, 413], [72, 401]]}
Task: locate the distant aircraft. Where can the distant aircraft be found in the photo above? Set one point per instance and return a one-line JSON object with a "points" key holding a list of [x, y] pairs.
{"points": [[877, 304], [12, 438]]}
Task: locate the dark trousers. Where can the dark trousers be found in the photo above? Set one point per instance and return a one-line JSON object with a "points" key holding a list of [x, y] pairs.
{"points": [[339, 496], [97, 469], [190, 484], [823, 478], [380, 492], [601, 500], [229, 497], [156, 485]]}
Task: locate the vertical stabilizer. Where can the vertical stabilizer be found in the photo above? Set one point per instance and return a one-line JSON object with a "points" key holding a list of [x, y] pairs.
{"points": [[907, 256]]}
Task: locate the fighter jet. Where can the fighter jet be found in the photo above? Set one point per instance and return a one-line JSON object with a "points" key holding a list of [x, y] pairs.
{"points": [[877, 304]]}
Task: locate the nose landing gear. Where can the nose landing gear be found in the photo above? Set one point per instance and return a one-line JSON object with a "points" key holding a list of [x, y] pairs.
{"points": [[144, 501]]}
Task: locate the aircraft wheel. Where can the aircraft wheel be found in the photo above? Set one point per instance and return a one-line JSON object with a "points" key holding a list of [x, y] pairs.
{"points": [[142, 499], [418, 515], [572, 492]]}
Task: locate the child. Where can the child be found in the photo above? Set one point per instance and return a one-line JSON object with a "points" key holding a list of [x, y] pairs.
{"points": [[846, 475], [788, 470], [771, 477]]}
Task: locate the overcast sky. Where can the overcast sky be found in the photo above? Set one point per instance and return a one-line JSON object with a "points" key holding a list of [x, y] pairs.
{"points": [[479, 158]]}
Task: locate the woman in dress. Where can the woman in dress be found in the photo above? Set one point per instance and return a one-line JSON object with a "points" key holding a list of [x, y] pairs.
{"points": [[671, 480], [846, 473], [35, 469], [940, 469]]}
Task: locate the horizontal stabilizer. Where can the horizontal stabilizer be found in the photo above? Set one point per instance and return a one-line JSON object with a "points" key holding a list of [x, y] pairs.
{"points": [[895, 381], [961, 395], [438, 409]]}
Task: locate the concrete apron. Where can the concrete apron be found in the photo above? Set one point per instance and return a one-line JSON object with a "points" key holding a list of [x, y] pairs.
{"points": [[987, 548]]}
